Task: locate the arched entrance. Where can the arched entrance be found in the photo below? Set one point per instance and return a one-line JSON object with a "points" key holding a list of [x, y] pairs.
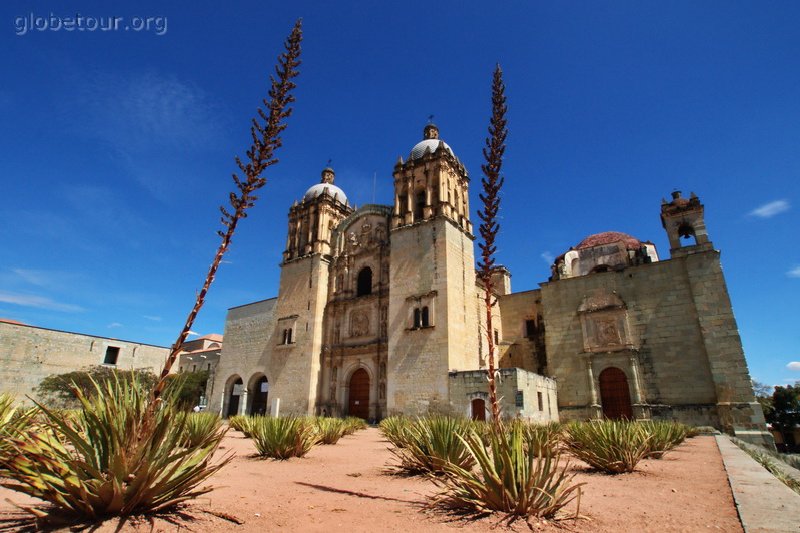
{"points": [[235, 390], [615, 395], [260, 391], [478, 406], [358, 399]]}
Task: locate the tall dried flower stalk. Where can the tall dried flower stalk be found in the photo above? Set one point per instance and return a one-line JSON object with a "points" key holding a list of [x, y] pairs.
{"points": [[266, 139], [492, 182]]}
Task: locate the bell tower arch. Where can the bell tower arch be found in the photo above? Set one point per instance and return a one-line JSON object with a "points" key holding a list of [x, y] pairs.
{"points": [[683, 219]]}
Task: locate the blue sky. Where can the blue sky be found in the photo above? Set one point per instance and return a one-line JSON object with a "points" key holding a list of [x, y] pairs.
{"points": [[117, 146]]}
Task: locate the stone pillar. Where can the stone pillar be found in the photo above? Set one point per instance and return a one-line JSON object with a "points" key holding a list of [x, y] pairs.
{"points": [[640, 409], [595, 410], [243, 402]]}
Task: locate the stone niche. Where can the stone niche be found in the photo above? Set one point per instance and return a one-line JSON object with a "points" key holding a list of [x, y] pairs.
{"points": [[604, 322]]}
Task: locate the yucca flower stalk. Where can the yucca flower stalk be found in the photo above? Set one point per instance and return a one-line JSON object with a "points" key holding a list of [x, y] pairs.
{"points": [[492, 182], [266, 138], [129, 451]]}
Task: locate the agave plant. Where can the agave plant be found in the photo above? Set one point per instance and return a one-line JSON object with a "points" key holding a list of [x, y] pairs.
{"points": [[283, 437], [432, 443], [353, 424], [664, 436], [238, 422], [614, 446], [510, 479], [541, 439], [395, 429], [198, 426], [100, 464], [330, 430]]}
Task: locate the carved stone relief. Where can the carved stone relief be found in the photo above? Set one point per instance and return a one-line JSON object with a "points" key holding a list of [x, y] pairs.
{"points": [[359, 324]]}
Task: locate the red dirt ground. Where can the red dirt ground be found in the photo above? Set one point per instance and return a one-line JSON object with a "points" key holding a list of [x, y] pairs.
{"points": [[347, 487]]}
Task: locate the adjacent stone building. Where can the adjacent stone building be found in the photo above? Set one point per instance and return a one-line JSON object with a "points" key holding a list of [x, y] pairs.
{"points": [[379, 312], [28, 354]]}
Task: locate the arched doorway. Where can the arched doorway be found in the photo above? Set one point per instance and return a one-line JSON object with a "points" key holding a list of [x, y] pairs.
{"points": [[615, 395], [260, 392], [235, 390], [478, 406], [358, 399]]}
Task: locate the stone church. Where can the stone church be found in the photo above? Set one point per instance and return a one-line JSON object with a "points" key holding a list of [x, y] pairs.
{"points": [[379, 312]]}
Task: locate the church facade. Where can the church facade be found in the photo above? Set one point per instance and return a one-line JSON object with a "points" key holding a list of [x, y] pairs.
{"points": [[379, 312]]}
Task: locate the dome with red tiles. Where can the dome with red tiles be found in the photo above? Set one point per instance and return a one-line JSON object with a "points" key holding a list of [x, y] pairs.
{"points": [[610, 237]]}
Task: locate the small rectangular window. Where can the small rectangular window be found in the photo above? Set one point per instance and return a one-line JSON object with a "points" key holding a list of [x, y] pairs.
{"points": [[112, 353], [417, 318], [496, 337], [519, 399], [541, 402], [530, 328], [426, 319]]}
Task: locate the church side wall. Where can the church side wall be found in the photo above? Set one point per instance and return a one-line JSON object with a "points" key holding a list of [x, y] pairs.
{"points": [[246, 351], [666, 342], [29, 354], [738, 409], [518, 350]]}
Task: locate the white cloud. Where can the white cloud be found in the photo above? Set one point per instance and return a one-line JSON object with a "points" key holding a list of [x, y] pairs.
{"points": [[548, 257], [153, 318], [794, 273], [794, 365], [770, 209], [39, 302], [114, 325]]}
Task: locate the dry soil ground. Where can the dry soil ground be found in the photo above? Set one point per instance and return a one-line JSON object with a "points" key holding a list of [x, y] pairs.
{"points": [[347, 487]]}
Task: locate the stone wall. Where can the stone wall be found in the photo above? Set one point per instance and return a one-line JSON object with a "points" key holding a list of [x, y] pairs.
{"points": [[671, 332], [29, 354], [519, 391], [249, 331]]}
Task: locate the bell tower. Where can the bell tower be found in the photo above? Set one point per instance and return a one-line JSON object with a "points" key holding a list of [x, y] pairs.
{"points": [[683, 218], [432, 303], [432, 183], [311, 221], [293, 370]]}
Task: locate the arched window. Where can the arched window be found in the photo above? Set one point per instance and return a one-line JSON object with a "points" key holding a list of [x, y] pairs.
{"points": [[426, 319], [420, 206], [417, 317], [364, 285]]}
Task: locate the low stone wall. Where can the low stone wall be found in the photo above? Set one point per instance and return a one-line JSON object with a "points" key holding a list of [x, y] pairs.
{"points": [[28, 354]]}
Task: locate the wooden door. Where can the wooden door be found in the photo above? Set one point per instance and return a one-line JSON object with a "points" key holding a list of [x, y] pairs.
{"points": [[479, 409], [615, 395], [358, 402]]}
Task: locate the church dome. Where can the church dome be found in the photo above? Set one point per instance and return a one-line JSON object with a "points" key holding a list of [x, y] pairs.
{"points": [[326, 186], [320, 188], [610, 237], [430, 143]]}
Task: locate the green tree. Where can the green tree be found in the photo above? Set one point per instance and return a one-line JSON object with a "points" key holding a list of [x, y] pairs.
{"points": [[192, 385], [785, 413], [763, 394], [58, 390]]}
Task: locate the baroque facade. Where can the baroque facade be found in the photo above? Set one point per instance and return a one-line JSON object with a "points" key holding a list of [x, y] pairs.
{"points": [[379, 312]]}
